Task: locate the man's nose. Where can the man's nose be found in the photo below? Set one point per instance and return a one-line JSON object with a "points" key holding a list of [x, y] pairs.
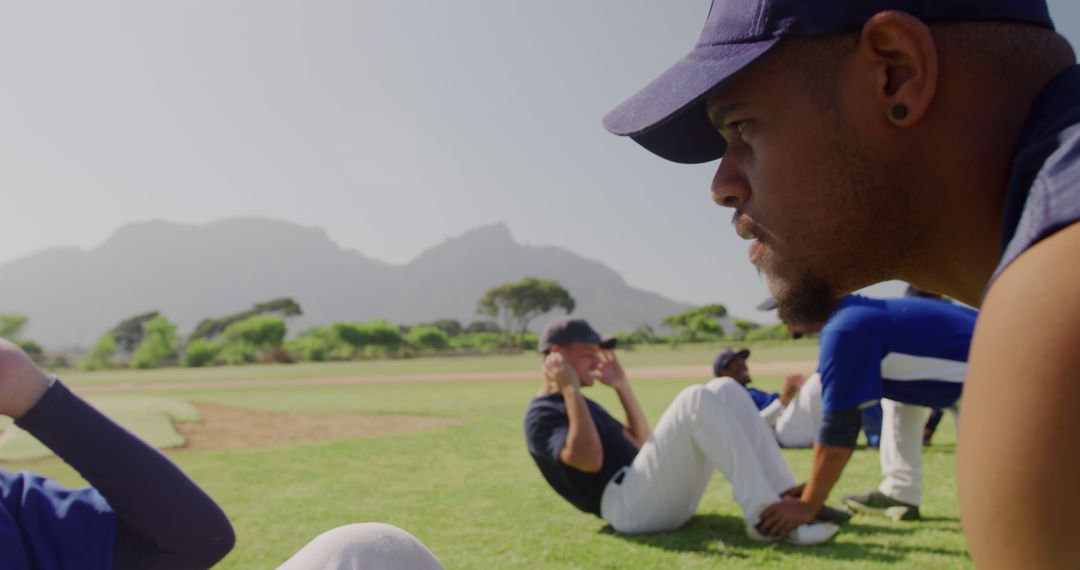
{"points": [[729, 186]]}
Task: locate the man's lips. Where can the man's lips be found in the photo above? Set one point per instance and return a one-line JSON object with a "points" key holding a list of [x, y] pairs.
{"points": [[745, 227]]}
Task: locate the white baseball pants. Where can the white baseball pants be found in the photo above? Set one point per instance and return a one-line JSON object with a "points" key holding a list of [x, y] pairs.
{"points": [[799, 423], [708, 427]]}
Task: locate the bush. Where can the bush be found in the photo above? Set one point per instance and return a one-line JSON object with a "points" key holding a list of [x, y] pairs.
{"points": [[156, 344], [201, 352], [239, 352], [101, 354], [427, 337], [778, 331], [260, 331], [479, 341], [312, 348]]}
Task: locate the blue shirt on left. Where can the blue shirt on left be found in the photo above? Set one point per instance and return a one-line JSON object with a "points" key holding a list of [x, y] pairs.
{"points": [[44, 525]]}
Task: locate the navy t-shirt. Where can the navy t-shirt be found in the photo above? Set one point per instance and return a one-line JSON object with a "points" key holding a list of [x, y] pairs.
{"points": [[1044, 183], [546, 427]]}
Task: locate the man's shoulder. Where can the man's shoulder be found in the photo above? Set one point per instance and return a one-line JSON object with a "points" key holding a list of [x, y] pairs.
{"points": [[1044, 187]]}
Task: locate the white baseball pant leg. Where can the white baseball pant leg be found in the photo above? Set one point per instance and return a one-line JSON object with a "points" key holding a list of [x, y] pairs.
{"points": [[800, 421], [364, 546], [706, 427], [901, 450]]}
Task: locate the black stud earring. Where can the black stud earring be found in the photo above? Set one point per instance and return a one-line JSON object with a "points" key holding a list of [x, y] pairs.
{"points": [[899, 111]]}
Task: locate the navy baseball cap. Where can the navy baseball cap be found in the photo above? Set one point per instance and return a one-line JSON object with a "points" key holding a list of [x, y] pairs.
{"points": [[571, 329], [668, 116], [724, 359]]}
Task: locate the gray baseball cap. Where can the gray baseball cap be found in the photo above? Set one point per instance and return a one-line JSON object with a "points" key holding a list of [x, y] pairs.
{"points": [[568, 330]]}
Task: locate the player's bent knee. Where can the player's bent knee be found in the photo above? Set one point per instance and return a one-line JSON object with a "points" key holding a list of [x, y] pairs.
{"points": [[364, 546]]}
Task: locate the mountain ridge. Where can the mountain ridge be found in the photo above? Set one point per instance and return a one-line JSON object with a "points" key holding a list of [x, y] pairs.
{"points": [[193, 271]]}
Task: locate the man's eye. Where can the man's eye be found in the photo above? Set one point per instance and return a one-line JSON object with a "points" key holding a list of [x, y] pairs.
{"points": [[736, 128]]}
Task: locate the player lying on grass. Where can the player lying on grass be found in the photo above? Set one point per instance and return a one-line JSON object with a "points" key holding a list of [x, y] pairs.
{"points": [[794, 413], [910, 354], [140, 511], [934, 142], [644, 481]]}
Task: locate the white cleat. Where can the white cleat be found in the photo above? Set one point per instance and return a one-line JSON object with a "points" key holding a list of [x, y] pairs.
{"points": [[803, 535]]}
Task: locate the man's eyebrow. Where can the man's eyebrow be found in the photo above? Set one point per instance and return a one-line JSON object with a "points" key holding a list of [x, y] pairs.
{"points": [[717, 113]]}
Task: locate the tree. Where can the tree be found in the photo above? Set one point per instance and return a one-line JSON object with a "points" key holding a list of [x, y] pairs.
{"points": [[482, 327], [210, 329], [451, 327], [516, 304], [742, 328], [355, 335], [694, 324], [384, 334], [11, 325], [128, 334], [158, 340]]}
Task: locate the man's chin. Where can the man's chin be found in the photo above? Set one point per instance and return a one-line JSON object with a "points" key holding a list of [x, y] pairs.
{"points": [[807, 300]]}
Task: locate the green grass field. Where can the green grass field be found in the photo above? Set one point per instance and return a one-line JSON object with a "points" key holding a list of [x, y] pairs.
{"points": [[473, 495]]}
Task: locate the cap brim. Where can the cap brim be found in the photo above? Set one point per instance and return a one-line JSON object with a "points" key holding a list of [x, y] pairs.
{"points": [[744, 353], [767, 305], [668, 116], [609, 343]]}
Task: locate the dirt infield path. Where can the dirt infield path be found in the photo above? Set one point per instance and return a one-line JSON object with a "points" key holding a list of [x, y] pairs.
{"points": [[642, 372], [227, 427]]}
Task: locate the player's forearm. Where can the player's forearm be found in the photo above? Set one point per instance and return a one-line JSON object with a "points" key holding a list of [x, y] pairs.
{"points": [[828, 464], [636, 424], [583, 449], [155, 502]]}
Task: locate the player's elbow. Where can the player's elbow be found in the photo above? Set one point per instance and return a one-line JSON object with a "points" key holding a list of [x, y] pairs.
{"points": [[587, 460], [204, 546]]}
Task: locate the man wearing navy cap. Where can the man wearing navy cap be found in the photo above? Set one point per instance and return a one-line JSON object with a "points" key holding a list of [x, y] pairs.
{"points": [[641, 481], [935, 142], [793, 413]]}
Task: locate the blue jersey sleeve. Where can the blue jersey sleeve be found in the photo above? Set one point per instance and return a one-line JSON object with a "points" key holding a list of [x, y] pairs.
{"points": [[850, 367], [762, 399]]}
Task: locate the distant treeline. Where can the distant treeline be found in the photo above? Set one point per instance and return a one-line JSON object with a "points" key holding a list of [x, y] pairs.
{"points": [[260, 333]]}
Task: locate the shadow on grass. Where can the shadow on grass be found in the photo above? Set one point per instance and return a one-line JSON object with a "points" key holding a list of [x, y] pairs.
{"points": [[725, 537]]}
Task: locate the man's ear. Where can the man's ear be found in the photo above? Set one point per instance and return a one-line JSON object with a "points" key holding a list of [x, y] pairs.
{"points": [[898, 53]]}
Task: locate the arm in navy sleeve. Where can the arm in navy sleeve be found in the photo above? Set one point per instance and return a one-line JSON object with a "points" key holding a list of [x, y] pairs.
{"points": [[165, 519]]}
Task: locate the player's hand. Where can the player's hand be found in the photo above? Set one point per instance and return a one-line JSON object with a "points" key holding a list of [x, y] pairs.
{"points": [[559, 373], [794, 492], [22, 383], [611, 372], [780, 518], [792, 385]]}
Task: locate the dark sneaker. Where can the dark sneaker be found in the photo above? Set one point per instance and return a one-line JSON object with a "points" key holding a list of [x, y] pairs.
{"points": [[877, 503], [829, 514]]}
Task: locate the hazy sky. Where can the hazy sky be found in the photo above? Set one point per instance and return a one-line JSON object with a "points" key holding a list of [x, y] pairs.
{"points": [[392, 124]]}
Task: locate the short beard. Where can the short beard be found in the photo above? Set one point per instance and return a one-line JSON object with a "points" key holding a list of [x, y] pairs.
{"points": [[809, 301]]}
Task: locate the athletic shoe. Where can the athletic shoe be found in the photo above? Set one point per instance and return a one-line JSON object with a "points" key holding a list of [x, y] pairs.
{"points": [[803, 535], [829, 514], [877, 503]]}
